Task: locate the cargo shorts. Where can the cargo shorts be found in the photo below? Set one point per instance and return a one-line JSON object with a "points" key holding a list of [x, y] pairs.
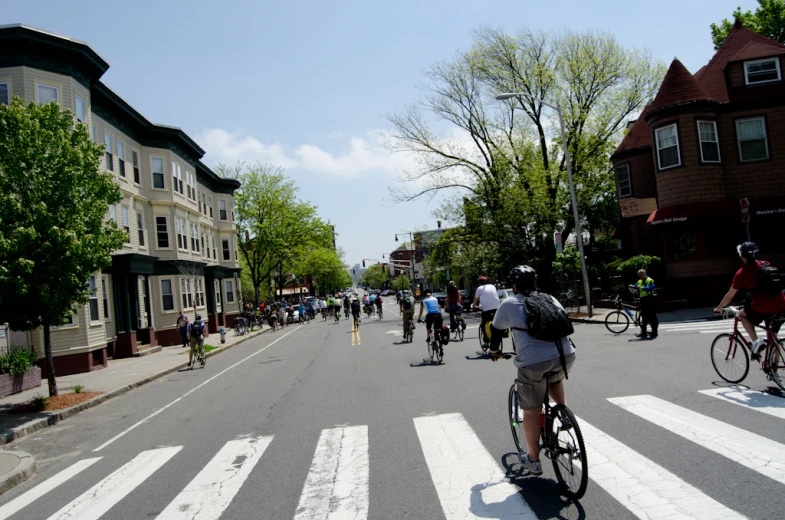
{"points": [[532, 384]]}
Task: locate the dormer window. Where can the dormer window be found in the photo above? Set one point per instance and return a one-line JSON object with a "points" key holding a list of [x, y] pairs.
{"points": [[762, 71]]}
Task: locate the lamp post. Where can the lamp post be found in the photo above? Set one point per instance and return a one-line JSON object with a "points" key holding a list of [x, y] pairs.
{"points": [[411, 257], [578, 235]]}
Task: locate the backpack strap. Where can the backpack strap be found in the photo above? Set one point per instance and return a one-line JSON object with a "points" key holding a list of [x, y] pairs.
{"points": [[560, 346]]}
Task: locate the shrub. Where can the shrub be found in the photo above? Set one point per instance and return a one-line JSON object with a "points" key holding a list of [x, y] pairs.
{"points": [[628, 269], [39, 402], [78, 389], [18, 360]]}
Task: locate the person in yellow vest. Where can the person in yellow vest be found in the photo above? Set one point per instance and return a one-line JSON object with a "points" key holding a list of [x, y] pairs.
{"points": [[645, 287]]}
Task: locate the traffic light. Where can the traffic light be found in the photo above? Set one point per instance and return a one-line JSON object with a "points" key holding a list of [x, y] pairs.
{"points": [[363, 263]]}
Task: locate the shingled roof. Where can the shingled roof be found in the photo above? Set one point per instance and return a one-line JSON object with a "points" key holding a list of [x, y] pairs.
{"points": [[679, 87], [741, 44], [639, 135]]}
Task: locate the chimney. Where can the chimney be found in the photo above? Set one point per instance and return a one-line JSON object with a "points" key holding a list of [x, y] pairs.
{"points": [[630, 123], [439, 224]]}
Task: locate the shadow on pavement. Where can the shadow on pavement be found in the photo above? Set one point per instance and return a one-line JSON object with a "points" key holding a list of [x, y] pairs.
{"points": [[543, 494], [425, 363]]}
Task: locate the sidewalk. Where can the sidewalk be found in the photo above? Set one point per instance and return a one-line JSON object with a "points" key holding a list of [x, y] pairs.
{"points": [[702, 314], [117, 378]]}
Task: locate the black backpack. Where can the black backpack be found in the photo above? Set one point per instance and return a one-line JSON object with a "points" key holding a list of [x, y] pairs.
{"points": [[770, 280], [196, 330], [547, 322]]}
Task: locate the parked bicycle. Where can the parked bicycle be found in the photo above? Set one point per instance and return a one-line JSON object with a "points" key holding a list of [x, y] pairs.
{"points": [[619, 320], [730, 352], [560, 440], [569, 300]]}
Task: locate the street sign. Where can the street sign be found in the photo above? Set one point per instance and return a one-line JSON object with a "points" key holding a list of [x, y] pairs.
{"points": [[745, 210], [557, 241]]}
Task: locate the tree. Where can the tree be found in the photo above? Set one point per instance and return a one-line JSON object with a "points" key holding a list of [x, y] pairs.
{"points": [[402, 282], [768, 20], [505, 159], [272, 223], [191, 278], [54, 231], [327, 268], [374, 276]]}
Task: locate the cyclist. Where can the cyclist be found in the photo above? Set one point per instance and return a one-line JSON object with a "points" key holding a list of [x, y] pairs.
{"points": [[378, 301], [337, 309], [488, 298], [356, 311], [196, 335], [406, 306], [454, 305], [301, 311], [533, 359], [347, 302], [322, 307], [759, 306], [281, 314], [434, 315]]}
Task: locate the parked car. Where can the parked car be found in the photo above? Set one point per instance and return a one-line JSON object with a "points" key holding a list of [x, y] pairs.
{"points": [[505, 293], [467, 300], [441, 297], [388, 292]]}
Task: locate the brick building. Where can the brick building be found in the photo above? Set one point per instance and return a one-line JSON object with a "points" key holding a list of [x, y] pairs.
{"points": [[707, 141]]}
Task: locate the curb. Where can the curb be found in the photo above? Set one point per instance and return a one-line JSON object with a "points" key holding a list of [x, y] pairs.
{"points": [[23, 471], [50, 419]]}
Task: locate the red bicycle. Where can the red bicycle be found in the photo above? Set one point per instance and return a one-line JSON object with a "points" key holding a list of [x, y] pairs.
{"points": [[730, 353]]}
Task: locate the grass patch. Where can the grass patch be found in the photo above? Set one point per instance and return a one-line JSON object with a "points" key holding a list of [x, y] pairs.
{"points": [[209, 348]]}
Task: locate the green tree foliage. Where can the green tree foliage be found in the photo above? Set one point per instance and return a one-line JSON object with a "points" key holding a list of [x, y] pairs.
{"points": [[467, 256], [505, 160], [402, 282], [374, 276], [768, 20], [327, 268], [273, 224], [54, 232]]}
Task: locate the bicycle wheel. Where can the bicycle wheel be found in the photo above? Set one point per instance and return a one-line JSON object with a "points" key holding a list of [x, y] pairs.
{"points": [[202, 358], [481, 334], [439, 351], [516, 420], [431, 351], [729, 358], [569, 460], [617, 322], [776, 363]]}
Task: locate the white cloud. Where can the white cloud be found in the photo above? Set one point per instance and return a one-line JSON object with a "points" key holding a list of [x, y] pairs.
{"points": [[229, 148]]}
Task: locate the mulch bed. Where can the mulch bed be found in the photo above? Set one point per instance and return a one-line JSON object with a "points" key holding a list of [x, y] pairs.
{"points": [[58, 402]]}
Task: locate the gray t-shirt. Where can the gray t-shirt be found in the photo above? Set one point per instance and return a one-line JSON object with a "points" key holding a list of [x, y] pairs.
{"points": [[530, 351]]}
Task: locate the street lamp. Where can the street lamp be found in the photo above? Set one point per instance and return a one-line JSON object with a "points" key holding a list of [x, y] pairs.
{"points": [[578, 235], [411, 257]]}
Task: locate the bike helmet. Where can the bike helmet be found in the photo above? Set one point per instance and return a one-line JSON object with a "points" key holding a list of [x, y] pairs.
{"points": [[748, 250], [198, 317], [482, 279], [452, 283], [524, 277]]}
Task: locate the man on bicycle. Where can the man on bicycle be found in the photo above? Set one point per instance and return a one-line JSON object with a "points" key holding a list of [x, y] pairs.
{"points": [[406, 306], [434, 315], [196, 335], [488, 297], [356, 310], [533, 358], [378, 301], [759, 306], [454, 305]]}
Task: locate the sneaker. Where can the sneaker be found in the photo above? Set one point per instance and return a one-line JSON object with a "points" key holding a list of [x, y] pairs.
{"points": [[534, 467], [757, 348], [654, 335]]}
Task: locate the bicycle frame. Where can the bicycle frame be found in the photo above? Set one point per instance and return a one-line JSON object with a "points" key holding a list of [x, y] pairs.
{"points": [[627, 308], [771, 339]]}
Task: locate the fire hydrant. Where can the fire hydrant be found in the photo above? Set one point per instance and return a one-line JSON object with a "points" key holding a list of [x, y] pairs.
{"points": [[222, 332]]}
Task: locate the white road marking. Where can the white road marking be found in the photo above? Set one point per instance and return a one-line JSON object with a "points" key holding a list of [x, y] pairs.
{"points": [[208, 495], [45, 487], [338, 481], [99, 499], [133, 427], [469, 482], [750, 399], [696, 324], [645, 488], [748, 449]]}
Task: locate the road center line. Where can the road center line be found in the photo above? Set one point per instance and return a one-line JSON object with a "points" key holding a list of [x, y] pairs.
{"points": [[119, 435]]}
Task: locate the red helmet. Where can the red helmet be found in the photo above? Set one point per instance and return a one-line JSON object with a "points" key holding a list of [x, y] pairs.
{"points": [[482, 279]]}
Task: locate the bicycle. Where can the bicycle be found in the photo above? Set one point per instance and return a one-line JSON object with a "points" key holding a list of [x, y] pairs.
{"points": [[457, 334], [732, 363], [569, 300], [435, 347], [619, 320], [485, 341], [380, 312], [409, 336], [356, 320], [561, 441], [240, 327], [200, 353], [346, 311]]}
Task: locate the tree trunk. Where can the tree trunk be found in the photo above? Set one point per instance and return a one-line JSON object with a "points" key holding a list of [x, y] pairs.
{"points": [[50, 361], [256, 295]]}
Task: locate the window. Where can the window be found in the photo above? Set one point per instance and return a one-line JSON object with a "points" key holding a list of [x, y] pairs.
{"points": [[167, 296], [92, 132], [217, 293], [762, 71], [135, 163], [195, 237], [177, 177], [47, 94], [225, 244], [109, 160], [668, 147], [189, 181], [203, 249], [210, 200], [69, 322], [126, 225], [80, 108], [106, 298], [710, 146], [140, 228], [222, 209], [113, 213], [92, 299], [162, 233], [5, 93], [157, 165], [199, 290], [121, 158], [215, 257], [229, 293], [181, 228], [203, 206], [681, 244], [185, 293], [752, 139]]}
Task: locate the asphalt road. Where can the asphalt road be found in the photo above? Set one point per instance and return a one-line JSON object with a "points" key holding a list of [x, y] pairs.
{"points": [[315, 421]]}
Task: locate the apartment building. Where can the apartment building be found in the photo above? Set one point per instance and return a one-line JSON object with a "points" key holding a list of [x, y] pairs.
{"points": [[178, 215], [708, 141]]}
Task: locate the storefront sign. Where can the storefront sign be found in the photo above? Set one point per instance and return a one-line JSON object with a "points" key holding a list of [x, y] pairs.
{"points": [[764, 212], [673, 220], [631, 207]]}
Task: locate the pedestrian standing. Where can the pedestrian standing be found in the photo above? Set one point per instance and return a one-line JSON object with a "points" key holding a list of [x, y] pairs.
{"points": [[182, 326], [645, 287]]}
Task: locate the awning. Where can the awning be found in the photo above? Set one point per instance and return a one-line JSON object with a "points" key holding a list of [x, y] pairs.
{"points": [[699, 211]]}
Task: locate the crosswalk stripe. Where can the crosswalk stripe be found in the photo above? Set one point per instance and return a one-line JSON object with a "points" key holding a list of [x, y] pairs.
{"points": [[212, 490], [719, 326], [693, 324], [750, 399], [97, 500], [45, 487], [469, 482], [748, 449], [337, 485], [645, 488]]}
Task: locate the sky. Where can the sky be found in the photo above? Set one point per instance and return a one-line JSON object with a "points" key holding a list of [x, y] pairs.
{"points": [[307, 85]]}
